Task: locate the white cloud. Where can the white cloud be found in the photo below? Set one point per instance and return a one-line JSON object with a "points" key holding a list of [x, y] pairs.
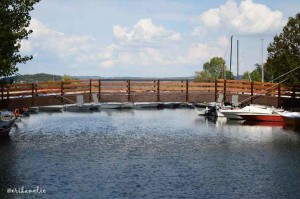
{"points": [[199, 31], [144, 49], [144, 31], [246, 18], [211, 17], [72, 49], [223, 41]]}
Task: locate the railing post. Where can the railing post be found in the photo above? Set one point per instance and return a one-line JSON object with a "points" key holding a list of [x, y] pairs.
{"points": [[252, 87], [158, 91], [62, 91], [32, 94], [187, 91], [216, 90], [90, 95], [129, 91], [294, 92], [2, 92], [224, 94], [279, 96], [7, 92], [99, 89]]}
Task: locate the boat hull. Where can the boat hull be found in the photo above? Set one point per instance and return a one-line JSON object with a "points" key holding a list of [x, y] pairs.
{"points": [[75, 108], [110, 106], [263, 123], [54, 108], [4, 133], [291, 118], [291, 121], [5, 127], [232, 114], [262, 117], [145, 105]]}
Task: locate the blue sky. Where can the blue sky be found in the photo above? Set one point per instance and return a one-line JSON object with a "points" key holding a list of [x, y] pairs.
{"points": [[149, 38]]}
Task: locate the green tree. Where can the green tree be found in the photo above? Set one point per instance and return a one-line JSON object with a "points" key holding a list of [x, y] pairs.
{"points": [[66, 78], [284, 51], [213, 69], [256, 74], [14, 21], [229, 75]]}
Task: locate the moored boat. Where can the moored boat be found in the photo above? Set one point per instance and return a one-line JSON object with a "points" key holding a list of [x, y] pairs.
{"points": [[272, 117], [52, 108], [144, 105], [127, 105], [110, 105], [234, 114], [79, 108], [7, 120], [291, 118]]}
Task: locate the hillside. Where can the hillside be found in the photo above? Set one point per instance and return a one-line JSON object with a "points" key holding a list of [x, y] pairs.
{"points": [[39, 77]]}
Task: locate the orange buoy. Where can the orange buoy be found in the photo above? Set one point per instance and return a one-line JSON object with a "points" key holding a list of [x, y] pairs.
{"points": [[17, 112]]}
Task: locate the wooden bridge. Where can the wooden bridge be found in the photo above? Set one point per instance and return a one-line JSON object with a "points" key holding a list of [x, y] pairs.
{"points": [[148, 90]]}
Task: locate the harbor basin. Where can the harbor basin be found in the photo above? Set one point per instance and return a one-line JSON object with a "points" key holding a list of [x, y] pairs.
{"points": [[169, 153]]}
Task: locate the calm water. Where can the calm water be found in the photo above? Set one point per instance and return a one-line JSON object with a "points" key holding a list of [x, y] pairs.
{"points": [[148, 154]]}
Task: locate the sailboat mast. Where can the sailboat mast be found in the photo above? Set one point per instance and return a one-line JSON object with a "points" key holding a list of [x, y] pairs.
{"points": [[230, 51], [237, 60], [262, 61]]}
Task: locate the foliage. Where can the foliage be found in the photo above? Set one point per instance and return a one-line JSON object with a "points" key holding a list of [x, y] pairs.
{"points": [[212, 70], [229, 75], [14, 21], [256, 75], [39, 77], [66, 78], [284, 51]]}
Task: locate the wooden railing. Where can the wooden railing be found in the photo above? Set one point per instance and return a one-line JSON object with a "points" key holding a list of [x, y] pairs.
{"points": [[138, 86]]}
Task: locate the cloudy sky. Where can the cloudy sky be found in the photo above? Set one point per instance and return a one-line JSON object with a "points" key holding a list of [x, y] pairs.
{"points": [[149, 38]]}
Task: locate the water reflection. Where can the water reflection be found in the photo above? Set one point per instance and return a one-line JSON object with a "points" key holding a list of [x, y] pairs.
{"points": [[7, 166], [150, 154]]}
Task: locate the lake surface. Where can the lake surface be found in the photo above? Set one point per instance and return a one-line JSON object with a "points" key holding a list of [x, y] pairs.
{"points": [[148, 154]]}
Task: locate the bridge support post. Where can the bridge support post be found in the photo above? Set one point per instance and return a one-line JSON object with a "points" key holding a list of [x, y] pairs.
{"points": [[216, 90], [279, 96], [62, 91], [158, 91], [128, 91], [90, 93], [252, 85], [99, 90], [187, 91], [32, 94], [224, 91], [2, 92]]}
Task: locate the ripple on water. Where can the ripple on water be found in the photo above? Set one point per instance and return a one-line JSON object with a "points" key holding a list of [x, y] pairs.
{"points": [[150, 154]]}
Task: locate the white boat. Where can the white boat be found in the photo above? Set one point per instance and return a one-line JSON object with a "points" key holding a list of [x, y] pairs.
{"points": [[33, 109], [7, 120], [116, 105], [79, 107], [235, 114], [53, 108], [291, 118], [110, 105], [127, 105], [171, 105], [142, 105]]}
